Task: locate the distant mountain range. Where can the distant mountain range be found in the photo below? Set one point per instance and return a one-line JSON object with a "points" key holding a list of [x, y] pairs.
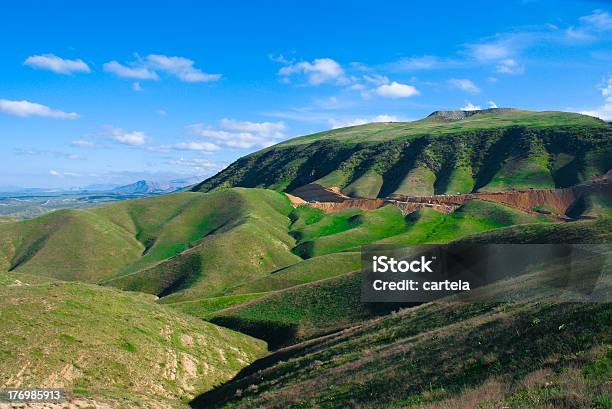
{"points": [[141, 187]]}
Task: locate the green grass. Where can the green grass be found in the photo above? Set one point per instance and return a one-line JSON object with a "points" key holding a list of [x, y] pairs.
{"points": [[206, 307], [459, 180], [448, 352], [428, 226], [249, 244], [67, 244], [418, 181], [299, 313], [306, 311], [303, 272], [113, 346], [348, 229], [366, 185], [431, 126], [592, 205]]}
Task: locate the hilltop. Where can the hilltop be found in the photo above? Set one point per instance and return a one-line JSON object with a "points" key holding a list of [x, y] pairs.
{"points": [[447, 152]]}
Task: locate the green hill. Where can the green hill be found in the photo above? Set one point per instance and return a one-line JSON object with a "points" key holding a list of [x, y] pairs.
{"points": [[310, 310], [160, 245], [237, 235], [110, 347], [489, 150], [533, 352]]}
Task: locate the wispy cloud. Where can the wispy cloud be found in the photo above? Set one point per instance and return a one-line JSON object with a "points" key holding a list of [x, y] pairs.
{"points": [[464, 84], [83, 143], [139, 72], [241, 134], [151, 66], [198, 164], [423, 63], [26, 109], [196, 146], [48, 152], [56, 64], [598, 20]]}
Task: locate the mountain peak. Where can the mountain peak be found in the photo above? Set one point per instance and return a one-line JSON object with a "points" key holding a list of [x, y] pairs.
{"points": [[460, 114]]}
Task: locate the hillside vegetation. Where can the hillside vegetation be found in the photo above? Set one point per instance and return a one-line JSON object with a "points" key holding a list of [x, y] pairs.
{"points": [[490, 150], [533, 352], [158, 245], [111, 347]]}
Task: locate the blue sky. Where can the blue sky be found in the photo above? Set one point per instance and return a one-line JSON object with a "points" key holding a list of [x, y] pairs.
{"points": [[115, 92]]}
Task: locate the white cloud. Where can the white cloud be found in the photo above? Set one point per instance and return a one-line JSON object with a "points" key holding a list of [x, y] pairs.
{"points": [[242, 134], [162, 112], [136, 87], [464, 85], [396, 90], [196, 163], [197, 146], [27, 108], [344, 122], [180, 67], [598, 20], [604, 111], [82, 143], [376, 79], [317, 72], [56, 64], [138, 72], [62, 174], [492, 104], [148, 68], [470, 107], [48, 152], [426, 62], [134, 138], [268, 129], [578, 35], [509, 66]]}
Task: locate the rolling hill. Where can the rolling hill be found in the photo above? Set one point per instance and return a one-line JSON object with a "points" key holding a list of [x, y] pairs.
{"points": [[489, 150], [536, 351], [111, 348], [307, 311]]}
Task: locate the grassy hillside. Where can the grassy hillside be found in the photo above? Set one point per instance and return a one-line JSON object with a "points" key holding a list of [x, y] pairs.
{"points": [[112, 347], [319, 233], [534, 352], [67, 244], [438, 355], [160, 245], [310, 310], [490, 150], [476, 216], [245, 238]]}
